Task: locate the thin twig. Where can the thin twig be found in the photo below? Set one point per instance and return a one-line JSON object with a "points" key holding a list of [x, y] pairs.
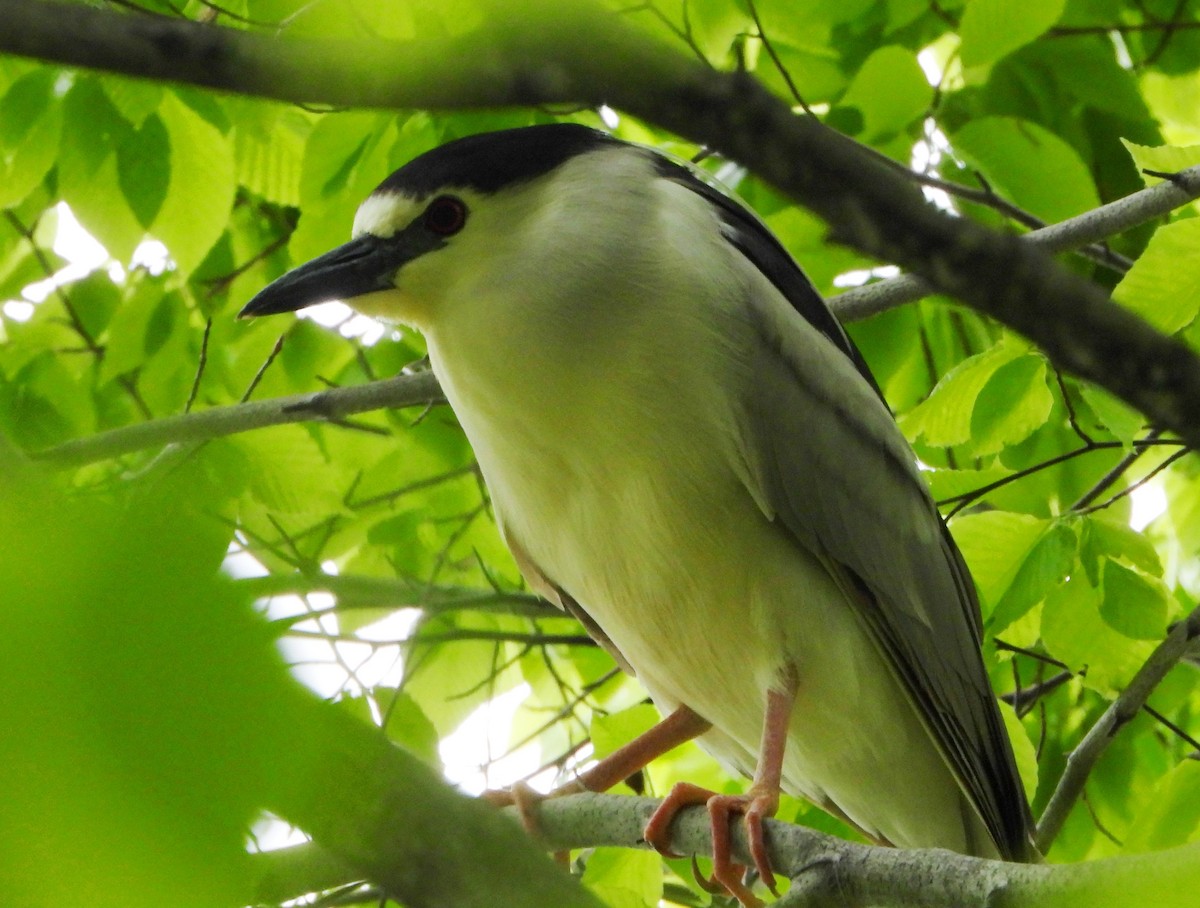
{"points": [[200, 364], [965, 498], [780, 68], [1133, 487], [1172, 727], [262, 370], [1021, 700], [1114, 474]]}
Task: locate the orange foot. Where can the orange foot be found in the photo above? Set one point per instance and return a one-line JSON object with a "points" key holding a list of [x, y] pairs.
{"points": [[757, 804], [526, 800]]}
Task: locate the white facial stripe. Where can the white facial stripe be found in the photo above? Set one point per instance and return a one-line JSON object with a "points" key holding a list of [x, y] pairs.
{"points": [[382, 214]]}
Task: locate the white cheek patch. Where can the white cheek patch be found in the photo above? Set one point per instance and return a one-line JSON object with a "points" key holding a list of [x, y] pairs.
{"points": [[382, 214]]}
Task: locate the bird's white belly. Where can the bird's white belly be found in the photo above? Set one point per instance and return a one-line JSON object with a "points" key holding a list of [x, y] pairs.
{"points": [[709, 601]]}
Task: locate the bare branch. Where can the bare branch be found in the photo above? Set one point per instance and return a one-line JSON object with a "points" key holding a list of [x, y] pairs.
{"points": [[830, 871], [1083, 758], [1065, 236], [409, 390], [357, 592], [824, 870]]}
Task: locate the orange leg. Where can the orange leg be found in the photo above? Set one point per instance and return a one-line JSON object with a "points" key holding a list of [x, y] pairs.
{"points": [[682, 725], [760, 802]]}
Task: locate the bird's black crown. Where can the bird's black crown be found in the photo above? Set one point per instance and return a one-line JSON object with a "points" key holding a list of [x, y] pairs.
{"points": [[494, 160]]}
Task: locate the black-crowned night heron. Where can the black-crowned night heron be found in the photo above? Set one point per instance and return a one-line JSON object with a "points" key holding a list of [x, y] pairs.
{"points": [[685, 450]]}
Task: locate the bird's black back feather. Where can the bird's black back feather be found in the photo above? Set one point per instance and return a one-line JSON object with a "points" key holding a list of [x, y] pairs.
{"points": [[751, 237]]}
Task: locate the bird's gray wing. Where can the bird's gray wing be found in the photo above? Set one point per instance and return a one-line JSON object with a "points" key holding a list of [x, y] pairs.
{"points": [[825, 458]]}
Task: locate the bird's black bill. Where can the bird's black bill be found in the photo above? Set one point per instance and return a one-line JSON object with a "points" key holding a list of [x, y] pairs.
{"points": [[360, 266]]}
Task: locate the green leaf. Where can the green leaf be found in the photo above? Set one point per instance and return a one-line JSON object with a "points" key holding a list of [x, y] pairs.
{"points": [[1170, 815], [1074, 632], [19, 267], [138, 757], [1023, 750], [617, 729], [624, 878], [810, 65], [944, 418], [715, 25], [948, 483], [995, 545], [1104, 537], [1046, 564], [890, 91], [1117, 416], [44, 405], [450, 681], [30, 129], [992, 29], [1014, 403], [1173, 99], [134, 98], [1059, 187], [165, 378], [334, 149], [803, 23], [94, 300], [344, 159], [269, 162], [198, 201], [407, 725], [1163, 158], [1088, 70], [288, 473], [904, 12], [1160, 287], [144, 169], [88, 177], [1134, 604], [127, 342]]}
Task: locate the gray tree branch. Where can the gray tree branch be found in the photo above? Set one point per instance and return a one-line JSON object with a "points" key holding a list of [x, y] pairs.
{"points": [[825, 871], [355, 592], [1067, 236], [386, 817], [544, 52], [1083, 758], [409, 390]]}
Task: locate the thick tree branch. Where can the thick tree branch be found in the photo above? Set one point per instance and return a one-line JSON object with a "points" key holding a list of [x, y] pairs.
{"points": [[545, 52], [1083, 758], [388, 818], [836, 872], [288, 873], [825, 871]]}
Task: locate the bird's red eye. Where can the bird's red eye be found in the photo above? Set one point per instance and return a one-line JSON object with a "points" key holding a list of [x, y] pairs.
{"points": [[445, 215]]}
